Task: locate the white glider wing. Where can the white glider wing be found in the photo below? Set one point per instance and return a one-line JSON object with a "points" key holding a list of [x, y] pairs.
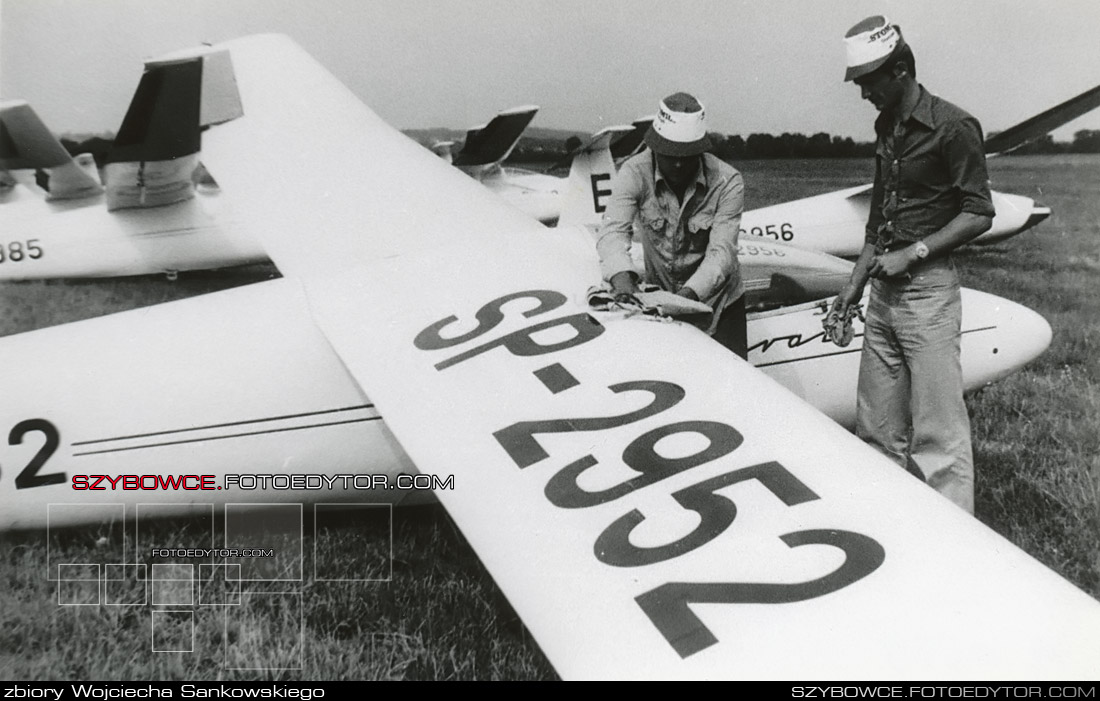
{"points": [[650, 505]]}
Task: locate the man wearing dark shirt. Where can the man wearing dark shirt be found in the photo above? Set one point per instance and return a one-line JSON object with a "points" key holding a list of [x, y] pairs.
{"points": [[931, 195]]}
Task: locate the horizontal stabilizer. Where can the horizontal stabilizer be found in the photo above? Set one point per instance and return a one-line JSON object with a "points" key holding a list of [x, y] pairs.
{"points": [[1030, 129]]}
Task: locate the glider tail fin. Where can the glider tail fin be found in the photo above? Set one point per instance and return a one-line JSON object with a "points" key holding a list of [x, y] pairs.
{"points": [[26, 143], [156, 153], [490, 144], [590, 177], [630, 143]]}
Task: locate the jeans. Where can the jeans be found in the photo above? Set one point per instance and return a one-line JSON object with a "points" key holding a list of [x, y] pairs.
{"points": [[910, 395]]}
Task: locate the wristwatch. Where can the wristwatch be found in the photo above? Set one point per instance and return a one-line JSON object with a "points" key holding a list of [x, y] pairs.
{"points": [[921, 250]]}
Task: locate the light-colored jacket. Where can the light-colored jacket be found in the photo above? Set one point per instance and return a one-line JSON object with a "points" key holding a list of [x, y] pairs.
{"points": [[691, 245]]}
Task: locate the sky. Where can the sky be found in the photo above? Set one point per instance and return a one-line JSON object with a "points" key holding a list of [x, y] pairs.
{"points": [[768, 66]]}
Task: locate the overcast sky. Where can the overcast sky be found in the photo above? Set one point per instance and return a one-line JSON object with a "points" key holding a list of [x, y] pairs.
{"points": [[760, 66]]}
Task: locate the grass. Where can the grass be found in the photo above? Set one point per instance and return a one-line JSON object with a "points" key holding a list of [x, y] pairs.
{"points": [[440, 616]]}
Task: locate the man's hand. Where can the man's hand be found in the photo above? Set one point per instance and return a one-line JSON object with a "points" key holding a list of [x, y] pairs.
{"points": [[837, 324], [892, 264], [847, 297], [689, 293], [623, 285]]}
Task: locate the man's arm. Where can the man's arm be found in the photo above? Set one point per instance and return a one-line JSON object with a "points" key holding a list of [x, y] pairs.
{"points": [[617, 228], [720, 260], [963, 228], [853, 291]]}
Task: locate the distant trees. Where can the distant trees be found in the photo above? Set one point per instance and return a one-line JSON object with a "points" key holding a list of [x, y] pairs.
{"points": [[729, 147], [787, 145]]}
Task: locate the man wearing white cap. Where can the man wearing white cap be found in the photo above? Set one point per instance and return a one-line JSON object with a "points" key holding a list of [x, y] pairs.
{"points": [[931, 195], [686, 205]]}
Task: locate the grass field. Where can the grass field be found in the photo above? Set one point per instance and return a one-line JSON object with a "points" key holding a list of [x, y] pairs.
{"points": [[1036, 441]]}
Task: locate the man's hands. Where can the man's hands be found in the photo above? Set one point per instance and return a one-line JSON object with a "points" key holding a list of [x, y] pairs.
{"points": [[837, 323], [624, 287], [892, 264], [689, 293]]}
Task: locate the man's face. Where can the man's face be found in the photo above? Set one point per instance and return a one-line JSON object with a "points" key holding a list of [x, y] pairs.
{"points": [[679, 171], [881, 88]]}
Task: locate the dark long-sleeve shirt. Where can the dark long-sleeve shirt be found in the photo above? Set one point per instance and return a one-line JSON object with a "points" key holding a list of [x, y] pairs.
{"points": [[927, 171]]}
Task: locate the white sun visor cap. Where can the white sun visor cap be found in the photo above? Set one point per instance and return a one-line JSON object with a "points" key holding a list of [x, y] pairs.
{"points": [[869, 44], [680, 127]]}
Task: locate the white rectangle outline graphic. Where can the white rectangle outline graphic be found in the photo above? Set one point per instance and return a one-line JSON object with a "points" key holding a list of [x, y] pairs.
{"points": [[301, 536], [51, 504], [98, 581], [145, 578], [190, 580]]}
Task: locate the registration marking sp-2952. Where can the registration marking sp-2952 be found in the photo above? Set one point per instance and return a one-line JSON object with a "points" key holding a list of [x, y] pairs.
{"points": [[665, 605]]}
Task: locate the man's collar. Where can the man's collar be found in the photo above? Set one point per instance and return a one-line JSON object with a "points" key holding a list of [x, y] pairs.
{"points": [[922, 112]]}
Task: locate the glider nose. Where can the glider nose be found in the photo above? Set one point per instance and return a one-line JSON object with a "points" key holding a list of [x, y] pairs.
{"points": [[1002, 337], [1038, 214], [1015, 213]]}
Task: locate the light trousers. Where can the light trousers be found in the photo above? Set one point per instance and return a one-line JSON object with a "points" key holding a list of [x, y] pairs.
{"points": [[910, 396]]}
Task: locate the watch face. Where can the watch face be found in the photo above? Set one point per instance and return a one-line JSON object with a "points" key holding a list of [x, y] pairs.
{"points": [[922, 249]]}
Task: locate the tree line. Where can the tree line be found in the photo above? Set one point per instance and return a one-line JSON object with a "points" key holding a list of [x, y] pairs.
{"points": [[727, 147], [787, 145]]}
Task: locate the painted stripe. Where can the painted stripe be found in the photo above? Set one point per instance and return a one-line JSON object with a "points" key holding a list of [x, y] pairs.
{"points": [[224, 425], [231, 435]]}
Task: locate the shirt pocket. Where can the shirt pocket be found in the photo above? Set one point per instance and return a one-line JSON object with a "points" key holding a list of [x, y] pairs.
{"points": [[698, 231], [921, 176], [653, 218]]}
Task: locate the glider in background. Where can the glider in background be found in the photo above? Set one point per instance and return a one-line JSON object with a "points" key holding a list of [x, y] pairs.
{"points": [[646, 517], [160, 216], [147, 220]]}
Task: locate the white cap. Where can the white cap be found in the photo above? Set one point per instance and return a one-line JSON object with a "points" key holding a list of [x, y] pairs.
{"points": [[680, 127], [869, 44]]}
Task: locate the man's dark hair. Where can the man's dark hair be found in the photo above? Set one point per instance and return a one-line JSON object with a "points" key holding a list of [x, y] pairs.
{"points": [[904, 54]]}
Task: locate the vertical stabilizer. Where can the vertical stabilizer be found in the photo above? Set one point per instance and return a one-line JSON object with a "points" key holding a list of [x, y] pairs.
{"points": [[590, 178], [488, 145], [26, 143], [157, 149]]}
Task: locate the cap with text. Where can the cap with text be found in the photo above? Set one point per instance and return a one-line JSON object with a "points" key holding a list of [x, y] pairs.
{"points": [[870, 44], [680, 127]]}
